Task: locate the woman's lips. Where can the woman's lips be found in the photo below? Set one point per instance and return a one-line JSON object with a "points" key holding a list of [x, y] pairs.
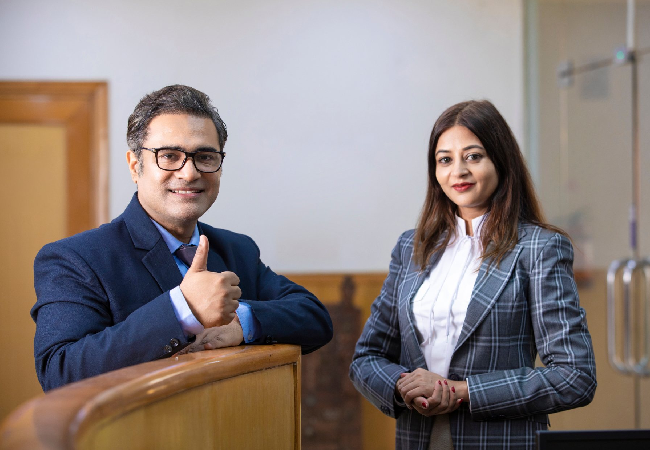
{"points": [[462, 187]]}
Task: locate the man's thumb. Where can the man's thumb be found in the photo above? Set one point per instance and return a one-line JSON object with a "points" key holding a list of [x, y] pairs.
{"points": [[200, 261]]}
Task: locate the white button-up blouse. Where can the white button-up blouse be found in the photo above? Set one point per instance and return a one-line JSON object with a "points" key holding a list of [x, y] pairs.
{"points": [[440, 305]]}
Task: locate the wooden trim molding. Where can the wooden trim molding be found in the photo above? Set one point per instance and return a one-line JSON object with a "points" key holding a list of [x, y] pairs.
{"points": [[63, 418], [81, 108]]}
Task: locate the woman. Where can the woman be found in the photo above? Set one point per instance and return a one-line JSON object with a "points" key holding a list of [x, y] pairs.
{"points": [[473, 294]]}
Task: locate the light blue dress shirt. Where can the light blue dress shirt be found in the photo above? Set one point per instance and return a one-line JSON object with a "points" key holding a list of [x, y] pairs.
{"points": [[190, 324]]}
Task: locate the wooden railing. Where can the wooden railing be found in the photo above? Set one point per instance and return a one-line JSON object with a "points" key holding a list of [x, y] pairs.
{"points": [[235, 398]]}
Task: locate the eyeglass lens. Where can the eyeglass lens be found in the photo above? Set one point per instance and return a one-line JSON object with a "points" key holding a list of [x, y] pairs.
{"points": [[170, 159]]}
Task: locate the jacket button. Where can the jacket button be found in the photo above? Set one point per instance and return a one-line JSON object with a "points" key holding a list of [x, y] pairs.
{"points": [[454, 377], [167, 349], [174, 342], [268, 340]]}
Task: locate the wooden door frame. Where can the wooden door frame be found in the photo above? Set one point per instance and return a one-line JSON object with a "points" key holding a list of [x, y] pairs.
{"points": [[81, 108]]}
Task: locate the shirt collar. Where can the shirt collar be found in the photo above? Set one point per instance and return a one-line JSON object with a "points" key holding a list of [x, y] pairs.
{"points": [[477, 226], [172, 243]]}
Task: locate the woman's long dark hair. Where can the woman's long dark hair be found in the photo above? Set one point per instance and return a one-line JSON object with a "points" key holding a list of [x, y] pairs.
{"points": [[513, 201]]}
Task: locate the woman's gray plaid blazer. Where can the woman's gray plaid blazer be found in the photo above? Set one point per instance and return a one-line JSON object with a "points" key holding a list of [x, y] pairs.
{"points": [[525, 305]]}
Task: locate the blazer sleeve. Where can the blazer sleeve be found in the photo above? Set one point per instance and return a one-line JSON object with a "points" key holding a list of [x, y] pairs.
{"points": [[288, 313], [568, 379], [375, 366], [76, 336]]}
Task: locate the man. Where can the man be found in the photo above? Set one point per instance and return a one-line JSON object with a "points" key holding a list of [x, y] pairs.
{"points": [[131, 291]]}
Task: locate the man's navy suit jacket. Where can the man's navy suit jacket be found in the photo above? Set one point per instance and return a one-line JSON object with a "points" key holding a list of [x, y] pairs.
{"points": [[103, 298]]}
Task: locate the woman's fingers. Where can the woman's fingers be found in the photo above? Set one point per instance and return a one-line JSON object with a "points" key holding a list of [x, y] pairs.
{"points": [[409, 386], [444, 397], [453, 400], [436, 397], [417, 374], [428, 406], [443, 400], [427, 392], [417, 391], [407, 378], [420, 404]]}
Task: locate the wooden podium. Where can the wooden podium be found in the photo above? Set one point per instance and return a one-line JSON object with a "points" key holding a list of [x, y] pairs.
{"points": [[244, 397]]}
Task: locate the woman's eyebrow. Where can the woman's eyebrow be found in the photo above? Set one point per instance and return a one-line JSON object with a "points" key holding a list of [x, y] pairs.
{"points": [[469, 147]]}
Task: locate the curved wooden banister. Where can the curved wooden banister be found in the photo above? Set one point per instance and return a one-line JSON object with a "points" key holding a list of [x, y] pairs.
{"points": [[239, 397]]}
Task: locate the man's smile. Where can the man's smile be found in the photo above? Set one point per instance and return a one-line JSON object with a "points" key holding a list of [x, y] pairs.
{"points": [[186, 191]]}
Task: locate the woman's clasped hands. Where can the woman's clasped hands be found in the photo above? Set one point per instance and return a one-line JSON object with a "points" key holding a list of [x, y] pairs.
{"points": [[429, 393]]}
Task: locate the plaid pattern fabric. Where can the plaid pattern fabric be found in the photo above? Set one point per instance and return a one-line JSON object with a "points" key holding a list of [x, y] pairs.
{"points": [[525, 305]]}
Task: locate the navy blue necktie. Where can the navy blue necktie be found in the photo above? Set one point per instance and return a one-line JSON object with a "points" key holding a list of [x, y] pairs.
{"points": [[186, 253]]}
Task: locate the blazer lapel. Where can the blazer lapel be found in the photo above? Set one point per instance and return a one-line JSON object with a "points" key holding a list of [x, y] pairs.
{"points": [[487, 289], [215, 262], [409, 287], [161, 265], [158, 260]]}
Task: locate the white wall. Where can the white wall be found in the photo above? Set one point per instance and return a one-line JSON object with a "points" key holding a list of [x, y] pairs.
{"points": [[329, 103]]}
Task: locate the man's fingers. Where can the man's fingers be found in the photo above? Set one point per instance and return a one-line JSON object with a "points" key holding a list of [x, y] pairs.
{"points": [[200, 261], [228, 335], [232, 314], [231, 278]]}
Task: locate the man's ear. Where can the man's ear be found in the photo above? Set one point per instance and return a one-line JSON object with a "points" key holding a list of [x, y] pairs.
{"points": [[132, 161]]}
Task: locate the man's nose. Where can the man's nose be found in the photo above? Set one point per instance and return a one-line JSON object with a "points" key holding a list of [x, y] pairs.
{"points": [[188, 171]]}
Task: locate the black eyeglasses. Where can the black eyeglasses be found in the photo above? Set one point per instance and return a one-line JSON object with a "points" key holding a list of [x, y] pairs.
{"points": [[174, 158]]}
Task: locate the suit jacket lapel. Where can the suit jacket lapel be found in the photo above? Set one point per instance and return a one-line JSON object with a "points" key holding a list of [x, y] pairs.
{"points": [[158, 260], [409, 287], [215, 262], [487, 289], [161, 265]]}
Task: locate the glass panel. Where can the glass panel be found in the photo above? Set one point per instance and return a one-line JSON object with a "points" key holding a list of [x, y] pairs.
{"points": [[582, 137]]}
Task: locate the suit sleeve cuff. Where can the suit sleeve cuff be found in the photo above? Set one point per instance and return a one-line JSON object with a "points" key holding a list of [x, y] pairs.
{"points": [[249, 323], [399, 401], [190, 324]]}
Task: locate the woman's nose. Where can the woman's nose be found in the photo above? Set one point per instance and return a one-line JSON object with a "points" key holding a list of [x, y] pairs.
{"points": [[460, 168]]}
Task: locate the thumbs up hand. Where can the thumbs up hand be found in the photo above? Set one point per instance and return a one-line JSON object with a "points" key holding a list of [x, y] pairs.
{"points": [[200, 261], [212, 297]]}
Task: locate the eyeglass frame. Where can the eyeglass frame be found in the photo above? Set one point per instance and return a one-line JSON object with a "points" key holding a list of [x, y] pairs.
{"points": [[187, 155]]}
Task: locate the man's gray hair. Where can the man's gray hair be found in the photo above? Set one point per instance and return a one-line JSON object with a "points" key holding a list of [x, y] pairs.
{"points": [[175, 99]]}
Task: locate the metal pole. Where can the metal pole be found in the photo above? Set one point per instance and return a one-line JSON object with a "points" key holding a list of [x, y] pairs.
{"points": [[636, 172]]}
